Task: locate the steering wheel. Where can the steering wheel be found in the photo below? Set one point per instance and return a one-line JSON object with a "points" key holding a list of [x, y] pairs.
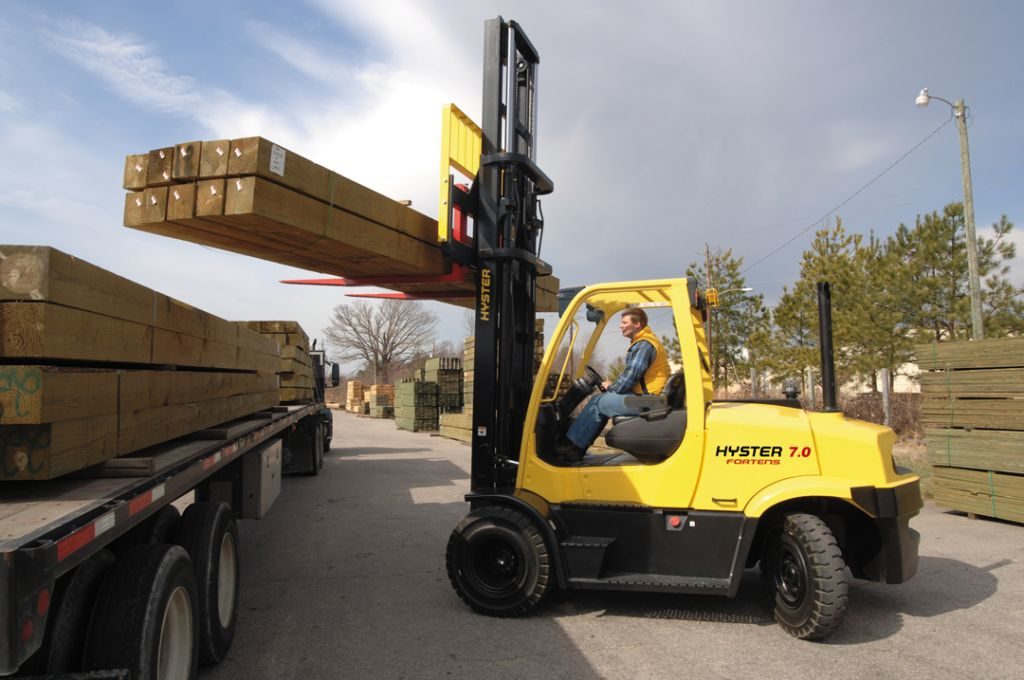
{"points": [[592, 378]]}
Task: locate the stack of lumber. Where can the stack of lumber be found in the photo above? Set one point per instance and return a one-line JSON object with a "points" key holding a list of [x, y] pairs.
{"points": [[380, 401], [94, 366], [446, 372], [459, 426], [295, 369], [416, 405], [973, 413], [253, 197], [354, 397]]}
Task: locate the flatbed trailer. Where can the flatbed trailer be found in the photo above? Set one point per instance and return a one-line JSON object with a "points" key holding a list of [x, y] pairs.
{"points": [[49, 530]]}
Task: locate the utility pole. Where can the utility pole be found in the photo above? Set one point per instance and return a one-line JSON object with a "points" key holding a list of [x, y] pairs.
{"points": [[974, 278], [973, 273], [711, 312]]}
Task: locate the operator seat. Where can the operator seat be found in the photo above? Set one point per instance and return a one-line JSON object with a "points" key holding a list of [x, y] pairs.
{"points": [[654, 435]]}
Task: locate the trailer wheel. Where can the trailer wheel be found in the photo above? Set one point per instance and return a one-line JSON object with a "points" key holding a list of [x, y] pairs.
{"points": [[209, 533], [316, 456], [159, 528], [72, 605], [803, 572], [145, 616], [498, 562]]}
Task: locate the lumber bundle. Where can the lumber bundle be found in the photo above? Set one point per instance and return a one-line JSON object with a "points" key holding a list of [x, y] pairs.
{"points": [[254, 197], [459, 425], [973, 409], [380, 401], [446, 373], [94, 366], [295, 369], [416, 405], [354, 397]]}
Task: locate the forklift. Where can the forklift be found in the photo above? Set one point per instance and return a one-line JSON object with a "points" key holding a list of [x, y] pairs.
{"points": [[698, 489]]}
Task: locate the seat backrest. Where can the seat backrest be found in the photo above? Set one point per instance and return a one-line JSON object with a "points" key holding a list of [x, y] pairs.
{"points": [[675, 391]]}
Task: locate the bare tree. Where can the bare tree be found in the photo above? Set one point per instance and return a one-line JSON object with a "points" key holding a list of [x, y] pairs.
{"points": [[384, 334]]}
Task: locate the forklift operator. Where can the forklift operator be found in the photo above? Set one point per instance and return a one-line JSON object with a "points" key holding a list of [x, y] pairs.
{"points": [[646, 372]]}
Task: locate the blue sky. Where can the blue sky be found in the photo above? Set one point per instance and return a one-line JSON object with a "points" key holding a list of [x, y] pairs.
{"points": [[664, 127]]}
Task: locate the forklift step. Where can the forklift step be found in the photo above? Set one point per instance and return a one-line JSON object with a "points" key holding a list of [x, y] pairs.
{"points": [[654, 582], [585, 554]]}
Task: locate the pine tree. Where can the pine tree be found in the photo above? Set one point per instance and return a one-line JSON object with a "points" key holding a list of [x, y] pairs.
{"points": [[739, 316]]}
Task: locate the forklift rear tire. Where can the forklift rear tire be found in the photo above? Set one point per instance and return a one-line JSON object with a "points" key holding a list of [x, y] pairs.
{"points": [[804, 575], [498, 562]]}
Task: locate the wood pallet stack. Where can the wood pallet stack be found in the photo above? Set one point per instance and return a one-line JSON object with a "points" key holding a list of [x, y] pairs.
{"points": [[254, 197], [446, 372], [380, 401], [94, 366], [416, 405], [354, 397], [295, 369], [973, 412]]}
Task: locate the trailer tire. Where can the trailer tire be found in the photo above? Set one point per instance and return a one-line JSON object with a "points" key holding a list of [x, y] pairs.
{"points": [[498, 562], [209, 534], [803, 573], [73, 601], [145, 616], [316, 456], [158, 529]]}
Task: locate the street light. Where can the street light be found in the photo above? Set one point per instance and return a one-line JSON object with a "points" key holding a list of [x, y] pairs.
{"points": [[973, 276]]}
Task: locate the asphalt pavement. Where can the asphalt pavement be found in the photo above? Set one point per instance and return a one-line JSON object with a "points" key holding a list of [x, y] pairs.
{"points": [[345, 578]]}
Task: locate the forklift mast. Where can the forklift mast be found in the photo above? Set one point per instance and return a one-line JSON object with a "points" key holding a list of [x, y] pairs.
{"points": [[508, 222]]}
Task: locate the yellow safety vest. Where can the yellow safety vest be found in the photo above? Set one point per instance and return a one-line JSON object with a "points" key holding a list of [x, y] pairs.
{"points": [[658, 373]]}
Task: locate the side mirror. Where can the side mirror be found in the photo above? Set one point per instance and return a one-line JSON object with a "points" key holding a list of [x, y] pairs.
{"points": [[594, 315], [335, 375]]}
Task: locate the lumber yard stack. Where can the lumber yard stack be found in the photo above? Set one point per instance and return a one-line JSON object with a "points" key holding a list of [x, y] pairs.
{"points": [[416, 405], [380, 401], [94, 366], [354, 397], [973, 412], [446, 373], [295, 370], [459, 426], [254, 197]]}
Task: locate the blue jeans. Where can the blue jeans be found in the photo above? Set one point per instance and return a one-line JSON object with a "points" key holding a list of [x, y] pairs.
{"points": [[595, 415]]}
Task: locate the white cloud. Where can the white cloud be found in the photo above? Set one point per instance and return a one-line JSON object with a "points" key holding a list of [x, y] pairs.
{"points": [[137, 73], [299, 54], [126, 65], [8, 102]]}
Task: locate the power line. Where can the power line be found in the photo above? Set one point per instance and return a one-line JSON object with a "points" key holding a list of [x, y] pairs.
{"points": [[850, 198]]}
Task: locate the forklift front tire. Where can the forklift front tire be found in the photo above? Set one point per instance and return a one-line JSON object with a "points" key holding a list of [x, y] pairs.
{"points": [[804, 575], [498, 562]]}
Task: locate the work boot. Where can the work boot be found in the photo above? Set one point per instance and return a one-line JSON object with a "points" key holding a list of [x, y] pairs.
{"points": [[567, 452]]}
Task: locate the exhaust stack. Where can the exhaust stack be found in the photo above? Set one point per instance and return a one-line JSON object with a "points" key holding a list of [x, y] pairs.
{"points": [[828, 362]]}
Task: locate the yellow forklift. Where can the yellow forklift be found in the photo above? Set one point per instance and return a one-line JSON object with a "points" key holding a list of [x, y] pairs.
{"points": [[697, 489]]}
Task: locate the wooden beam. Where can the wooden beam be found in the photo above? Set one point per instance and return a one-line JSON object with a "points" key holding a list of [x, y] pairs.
{"points": [[32, 395], [135, 166], [160, 167], [41, 330], [262, 158], [54, 449], [186, 161], [296, 212], [213, 160]]}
